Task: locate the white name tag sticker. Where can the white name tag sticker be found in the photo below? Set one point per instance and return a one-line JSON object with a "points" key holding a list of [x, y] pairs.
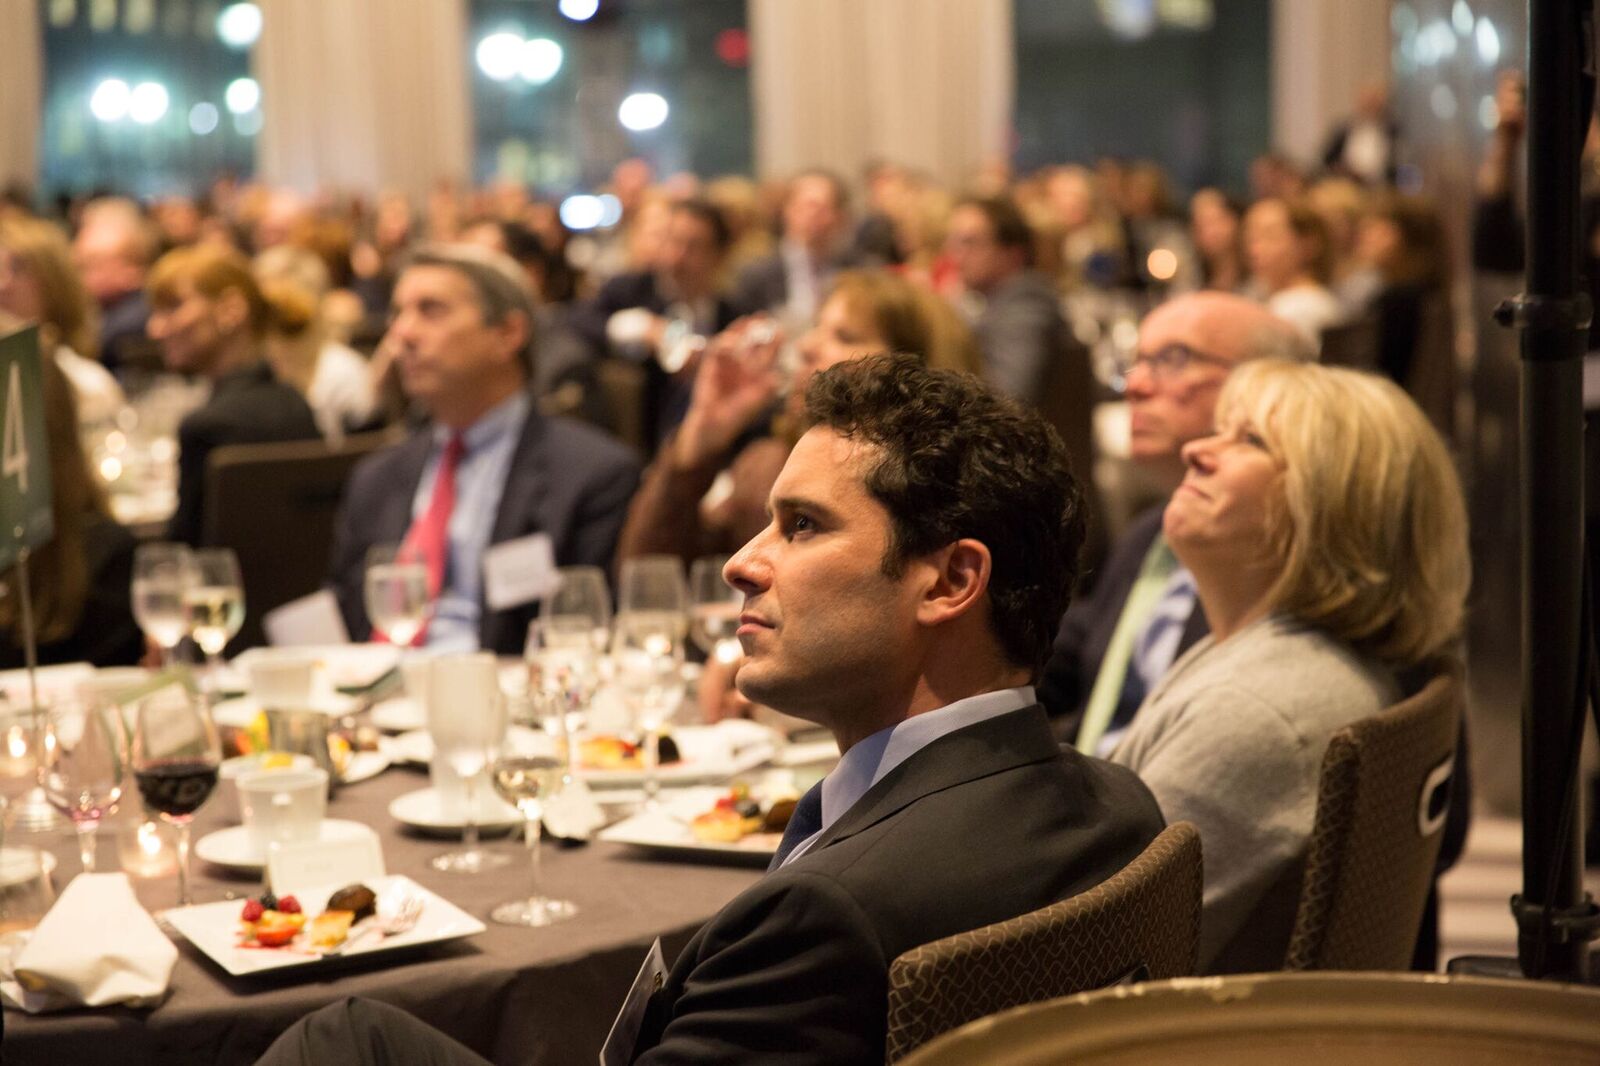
{"points": [[316, 862], [313, 619], [618, 1049], [519, 571]]}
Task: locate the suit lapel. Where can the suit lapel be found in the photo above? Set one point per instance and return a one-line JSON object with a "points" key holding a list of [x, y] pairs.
{"points": [[394, 517], [520, 512], [989, 747]]}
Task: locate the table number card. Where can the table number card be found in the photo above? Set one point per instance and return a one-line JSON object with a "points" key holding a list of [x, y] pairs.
{"points": [[316, 862], [519, 571]]}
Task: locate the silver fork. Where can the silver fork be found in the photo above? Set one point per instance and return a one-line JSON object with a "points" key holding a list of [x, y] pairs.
{"points": [[401, 920]]}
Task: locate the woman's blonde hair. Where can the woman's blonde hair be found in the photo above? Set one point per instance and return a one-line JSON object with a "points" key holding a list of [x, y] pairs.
{"points": [[66, 310], [909, 318], [215, 271], [1371, 527]]}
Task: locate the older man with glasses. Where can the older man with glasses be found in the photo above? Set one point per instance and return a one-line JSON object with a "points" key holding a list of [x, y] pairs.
{"points": [[1116, 643]]}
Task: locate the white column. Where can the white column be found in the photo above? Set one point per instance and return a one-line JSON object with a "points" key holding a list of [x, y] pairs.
{"points": [[357, 94], [1323, 52], [926, 83], [21, 91]]}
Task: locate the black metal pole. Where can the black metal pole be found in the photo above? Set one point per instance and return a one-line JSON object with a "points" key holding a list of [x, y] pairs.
{"points": [[1553, 315]]}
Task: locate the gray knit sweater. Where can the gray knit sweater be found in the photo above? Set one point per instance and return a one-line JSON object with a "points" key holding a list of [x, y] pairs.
{"points": [[1232, 739]]}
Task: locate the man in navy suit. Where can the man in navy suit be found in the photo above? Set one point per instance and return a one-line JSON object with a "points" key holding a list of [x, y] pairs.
{"points": [[490, 486], [924, 539], [792, 281]]}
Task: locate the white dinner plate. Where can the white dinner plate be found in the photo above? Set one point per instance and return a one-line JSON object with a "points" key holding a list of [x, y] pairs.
{"points": [[422, 810], [402, 714], [18, 865], [666, 830], [232, 849], [241, 711], [416, 747], [709, 753], [214, 928]]}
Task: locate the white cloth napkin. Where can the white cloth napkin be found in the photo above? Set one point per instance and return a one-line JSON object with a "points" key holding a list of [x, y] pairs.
{"points": [[97, 946]]}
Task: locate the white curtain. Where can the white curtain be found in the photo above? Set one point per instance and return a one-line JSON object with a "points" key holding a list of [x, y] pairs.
{"points": [[21, 91], [1323, 52], [363, 94], [926, 83]]}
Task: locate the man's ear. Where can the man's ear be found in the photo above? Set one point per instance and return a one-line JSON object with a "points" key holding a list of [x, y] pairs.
{"points": [[514, 330], [232, 310], [960, 579]]}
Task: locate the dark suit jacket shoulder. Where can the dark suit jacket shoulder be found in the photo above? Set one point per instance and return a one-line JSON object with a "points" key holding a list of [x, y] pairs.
{"points": [[1088, 625], [249, 406], [987, 823], [566, 479]]}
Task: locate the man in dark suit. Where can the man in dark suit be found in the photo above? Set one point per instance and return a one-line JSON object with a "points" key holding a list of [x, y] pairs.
{"points": [[1114, 644], [792, 281], [490, 480], [653, 316], [924, 537]]}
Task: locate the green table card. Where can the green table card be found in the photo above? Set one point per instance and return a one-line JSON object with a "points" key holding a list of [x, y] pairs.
{"points": [[25, 518]]}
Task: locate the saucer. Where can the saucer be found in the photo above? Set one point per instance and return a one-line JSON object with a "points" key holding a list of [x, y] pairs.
{"points": [[422, 810], [232, 848]]}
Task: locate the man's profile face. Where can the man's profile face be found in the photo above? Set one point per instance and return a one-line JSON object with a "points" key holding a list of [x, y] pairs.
{"points": [[970, 242], [811, 214], [442, 343], [1167, 410], [823, 627], [689, 253]]}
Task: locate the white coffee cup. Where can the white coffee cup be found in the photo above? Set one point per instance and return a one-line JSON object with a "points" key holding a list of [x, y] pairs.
{"points": [[232, 769], [416, 671], [283, 682], [283, 805]]}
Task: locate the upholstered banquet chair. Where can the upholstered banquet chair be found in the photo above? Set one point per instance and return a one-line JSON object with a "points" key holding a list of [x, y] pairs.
{"points": [[1381, 805], [1142, 923]]}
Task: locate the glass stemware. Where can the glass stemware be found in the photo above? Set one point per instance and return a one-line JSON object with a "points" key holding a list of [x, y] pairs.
{"points": [[161, 573], [714, 607], [467, 719], [647, 651], [85, 767], [175, 756], [396, 593], [524, 781], [564, 648], [213, 606]]}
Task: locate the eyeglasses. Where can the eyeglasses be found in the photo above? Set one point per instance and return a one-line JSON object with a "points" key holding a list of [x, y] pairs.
{"points": [[1164, 364]]}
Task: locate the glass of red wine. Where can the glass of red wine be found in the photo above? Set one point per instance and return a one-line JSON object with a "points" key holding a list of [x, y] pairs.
{"points": [[175, 755]]}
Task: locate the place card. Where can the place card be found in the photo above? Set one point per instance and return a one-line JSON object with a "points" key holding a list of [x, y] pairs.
{"points": [[317, 862], [519, 571], [313, 619], [618, 1048]]}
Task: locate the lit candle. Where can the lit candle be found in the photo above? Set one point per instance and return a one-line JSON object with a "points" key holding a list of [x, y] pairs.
{"points": [[145, 852]]}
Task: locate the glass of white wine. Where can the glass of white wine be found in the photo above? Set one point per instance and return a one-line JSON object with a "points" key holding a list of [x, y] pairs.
{"points": [[467, 721], [714, 607], [525, 781], [396, 591], [161, 572], [564, 648], [213, 605]]}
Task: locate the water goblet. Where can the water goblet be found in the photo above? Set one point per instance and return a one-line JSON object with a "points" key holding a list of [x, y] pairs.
{"points": [[175, 755]]}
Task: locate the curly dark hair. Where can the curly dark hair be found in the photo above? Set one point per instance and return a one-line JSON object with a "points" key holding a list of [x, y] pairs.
{"points": [[958, 460]]}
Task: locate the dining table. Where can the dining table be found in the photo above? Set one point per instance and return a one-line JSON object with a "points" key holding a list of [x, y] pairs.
{"points": [[512, 994]]}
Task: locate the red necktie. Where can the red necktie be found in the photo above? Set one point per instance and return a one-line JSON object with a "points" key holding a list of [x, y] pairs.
{"points": [[429, 535]]}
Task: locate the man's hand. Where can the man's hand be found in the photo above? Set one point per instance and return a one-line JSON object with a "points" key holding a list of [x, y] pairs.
{"points": [[737, 380]]}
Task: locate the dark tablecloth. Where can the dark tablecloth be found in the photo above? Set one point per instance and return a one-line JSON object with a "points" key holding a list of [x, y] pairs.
{"points": [[513, 995]]}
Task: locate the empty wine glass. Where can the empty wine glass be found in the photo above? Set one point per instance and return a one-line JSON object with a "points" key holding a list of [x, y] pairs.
{"points": [[175, 756], [22, 738], [161, 573], [564, 648], [647, 662], [525, 780], [467, 719], [396, 590], [714, 608], [85, 767], [213, 605]]}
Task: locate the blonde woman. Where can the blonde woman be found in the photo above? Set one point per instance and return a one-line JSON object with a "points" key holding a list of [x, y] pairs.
{"points": [[39, 284], [1325, 529]]}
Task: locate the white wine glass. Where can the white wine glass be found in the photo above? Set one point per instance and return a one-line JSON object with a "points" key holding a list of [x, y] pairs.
{"points": [[85, 767], [524, 781], [647, 670], [396, 593], [161, 573], [175, 755], [467, 720], [714, 607], [213, 606]]}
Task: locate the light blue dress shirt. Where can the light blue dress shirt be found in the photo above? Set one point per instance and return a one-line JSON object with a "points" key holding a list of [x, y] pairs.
{"points": [[489, 444], [871, 760]]}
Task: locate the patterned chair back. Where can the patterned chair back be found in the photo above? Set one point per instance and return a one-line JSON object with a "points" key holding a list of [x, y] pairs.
{"points": [[1142, 922], [1381, 805]]}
